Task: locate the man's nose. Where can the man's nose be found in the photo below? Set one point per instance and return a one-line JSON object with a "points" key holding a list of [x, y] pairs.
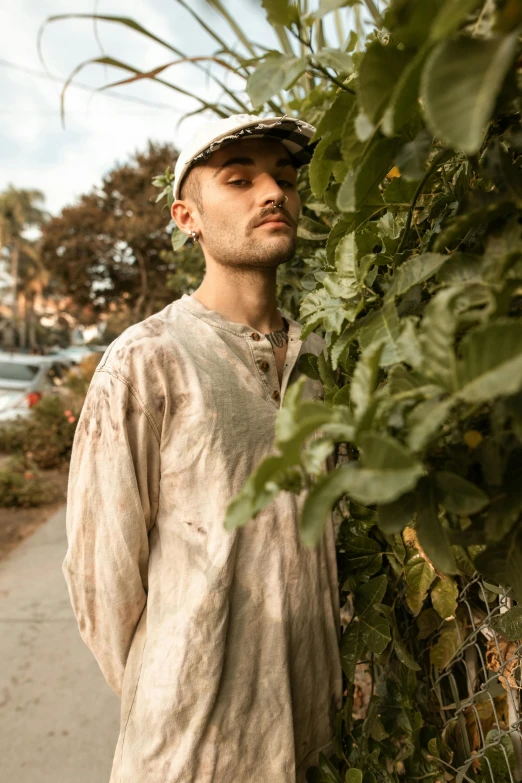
{"points": [[271, 191]]}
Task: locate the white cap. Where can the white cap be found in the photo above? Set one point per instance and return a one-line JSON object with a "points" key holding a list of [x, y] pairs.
{"points": [[293, 134]]}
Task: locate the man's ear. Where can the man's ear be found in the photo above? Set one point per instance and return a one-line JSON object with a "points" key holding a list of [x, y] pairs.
{"points": [[183, 216]]}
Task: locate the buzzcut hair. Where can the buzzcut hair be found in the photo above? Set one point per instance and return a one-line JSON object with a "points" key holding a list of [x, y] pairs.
{"points": [[191, 186]]}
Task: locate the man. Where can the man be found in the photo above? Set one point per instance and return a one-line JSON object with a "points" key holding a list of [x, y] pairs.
{"points": [[223, 646]]}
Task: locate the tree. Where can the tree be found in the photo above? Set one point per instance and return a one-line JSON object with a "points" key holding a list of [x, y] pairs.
{"points": [[416, 179], [20, 211], [111, 249]]}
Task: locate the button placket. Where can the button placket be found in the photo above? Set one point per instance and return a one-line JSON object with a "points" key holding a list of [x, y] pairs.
{"points": [[265, 362]]}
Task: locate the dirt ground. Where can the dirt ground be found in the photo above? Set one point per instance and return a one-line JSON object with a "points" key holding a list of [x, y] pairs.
{"points": [[16, 524]]}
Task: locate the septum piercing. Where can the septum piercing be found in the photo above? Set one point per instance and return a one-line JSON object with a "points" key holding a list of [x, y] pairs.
{"points": [[275, 206]]}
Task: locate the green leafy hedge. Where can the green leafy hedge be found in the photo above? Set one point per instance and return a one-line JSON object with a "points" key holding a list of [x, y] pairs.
{"points": [[416, 184]]}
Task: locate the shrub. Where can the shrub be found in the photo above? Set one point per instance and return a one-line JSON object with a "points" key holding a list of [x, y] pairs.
{"points": [[22, 485], [45, 437]]}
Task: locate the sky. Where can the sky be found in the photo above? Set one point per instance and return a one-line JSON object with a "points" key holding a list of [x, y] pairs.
{"points": [[36, 151], [101, 129]]}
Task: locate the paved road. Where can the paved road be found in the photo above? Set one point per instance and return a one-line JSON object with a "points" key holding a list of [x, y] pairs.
{"points": [[58, 717]]}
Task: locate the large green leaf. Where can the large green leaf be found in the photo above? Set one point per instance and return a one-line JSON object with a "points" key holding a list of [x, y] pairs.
{"points": [[365, 379], [437, 337], [333, 58], [415, 270], [275, 73], [459, 495], [413, 156], [384, 326], [326, 7], [404, 98], [430, 533], [388, 471], [393, 517], [452, 14], [280, 12], [426, 421], [491, 361], [460, 84], [320, 169], [380, 69], [361, 182]]}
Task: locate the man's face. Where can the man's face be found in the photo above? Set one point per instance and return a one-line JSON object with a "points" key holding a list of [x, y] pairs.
{"points": [[238, 185]]}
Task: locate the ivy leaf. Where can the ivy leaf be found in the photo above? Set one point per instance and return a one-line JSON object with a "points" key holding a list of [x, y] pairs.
{"points": [[458, 495], [273, 74], [376, 632], [369, 594], [447, 646], [430, 533], [491, 363], [509, 624], [419, 574], [379, 72], [353, 776], [404, 656], [351, 649], [427, 622], [444, 594], [415, 270], [327, 771], [460, 84]]}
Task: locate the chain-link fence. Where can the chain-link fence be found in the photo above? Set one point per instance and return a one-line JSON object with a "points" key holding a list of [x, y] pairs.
{"points": [[478, 691]]}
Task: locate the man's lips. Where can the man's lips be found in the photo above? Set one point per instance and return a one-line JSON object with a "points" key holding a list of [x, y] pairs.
{"points": [[276, 220]]}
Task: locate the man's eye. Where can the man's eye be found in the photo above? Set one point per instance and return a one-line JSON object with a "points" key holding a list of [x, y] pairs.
{"points": [[238, 182], [286, 183]]}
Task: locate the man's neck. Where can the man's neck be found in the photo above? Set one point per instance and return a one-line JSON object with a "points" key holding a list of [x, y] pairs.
{"points": [[242, 296]]}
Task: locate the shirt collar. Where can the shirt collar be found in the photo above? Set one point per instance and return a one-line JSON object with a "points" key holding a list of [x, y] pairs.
{"points": [[212, 317]]}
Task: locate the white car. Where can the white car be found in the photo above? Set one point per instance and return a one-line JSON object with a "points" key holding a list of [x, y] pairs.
{"points": [[24, 379]]}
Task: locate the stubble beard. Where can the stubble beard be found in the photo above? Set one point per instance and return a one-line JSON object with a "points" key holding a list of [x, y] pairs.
{"points": [[252, 252]]}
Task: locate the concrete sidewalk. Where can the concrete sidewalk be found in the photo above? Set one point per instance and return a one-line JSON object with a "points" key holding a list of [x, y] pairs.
{"points": [[58, 717]]}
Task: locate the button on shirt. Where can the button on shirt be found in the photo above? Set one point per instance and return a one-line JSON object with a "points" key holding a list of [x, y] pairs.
{"points": [[222, 645]]}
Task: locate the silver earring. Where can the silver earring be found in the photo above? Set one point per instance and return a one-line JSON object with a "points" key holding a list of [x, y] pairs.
{"points": [[194, 236]]}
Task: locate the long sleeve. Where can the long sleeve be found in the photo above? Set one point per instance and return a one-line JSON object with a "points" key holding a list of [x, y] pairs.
{"points": [[112, 503]]}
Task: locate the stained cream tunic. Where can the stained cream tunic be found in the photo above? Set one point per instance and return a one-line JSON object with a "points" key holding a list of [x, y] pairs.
{"points": [[223, 646]]}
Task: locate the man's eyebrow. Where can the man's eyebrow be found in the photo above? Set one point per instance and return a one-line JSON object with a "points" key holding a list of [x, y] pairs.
{"points": [[242, 161]]}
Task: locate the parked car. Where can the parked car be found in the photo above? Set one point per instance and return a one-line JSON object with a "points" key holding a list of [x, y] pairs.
{"points": [[25, 379]]}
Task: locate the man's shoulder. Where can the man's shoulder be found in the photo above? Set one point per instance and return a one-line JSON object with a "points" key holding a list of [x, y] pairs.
{"points": [[143, 344]]}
